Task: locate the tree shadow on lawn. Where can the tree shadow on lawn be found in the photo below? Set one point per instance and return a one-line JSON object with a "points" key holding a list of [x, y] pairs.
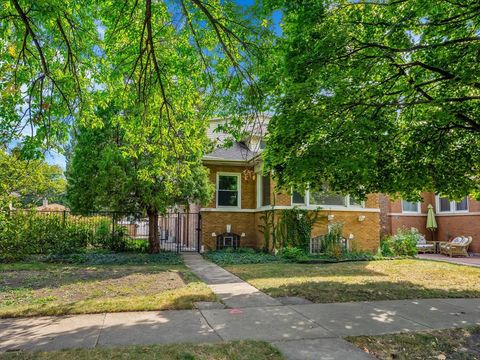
{"points": [[23, 293], [181, 298], [267, 271], [332, 291], [58, 276]]}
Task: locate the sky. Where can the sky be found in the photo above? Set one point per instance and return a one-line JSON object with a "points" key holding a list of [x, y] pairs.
{"points": [[55, 158]]}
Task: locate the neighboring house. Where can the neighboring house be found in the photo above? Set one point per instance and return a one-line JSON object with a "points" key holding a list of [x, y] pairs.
{"points": [[243, 194], [51, 207], [453, 218]]}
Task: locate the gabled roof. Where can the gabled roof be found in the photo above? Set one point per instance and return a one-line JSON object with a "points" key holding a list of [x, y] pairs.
{"points": [[237, 152]]}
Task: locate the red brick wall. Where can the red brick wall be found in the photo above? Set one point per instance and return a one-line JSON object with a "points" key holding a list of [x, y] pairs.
{"points": [[467, 225], [449, 225]]}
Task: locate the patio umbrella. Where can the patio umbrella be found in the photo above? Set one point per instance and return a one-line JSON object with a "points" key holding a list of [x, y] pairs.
{"points": [[431, 222]]}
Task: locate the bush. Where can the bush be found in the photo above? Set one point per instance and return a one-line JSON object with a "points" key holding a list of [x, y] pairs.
{"points": [[240, 256], [403, 243], [332, 244], [25, 233], [293, 253], [137, 245], [294, 228]]}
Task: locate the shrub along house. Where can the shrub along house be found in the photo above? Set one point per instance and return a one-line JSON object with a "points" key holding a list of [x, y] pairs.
{"points": [[243, 195], [454, 218]]}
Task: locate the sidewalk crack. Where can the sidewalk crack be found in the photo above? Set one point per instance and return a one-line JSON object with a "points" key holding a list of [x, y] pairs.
{"points": [[210, 326], [100, 330], [312, 321]]}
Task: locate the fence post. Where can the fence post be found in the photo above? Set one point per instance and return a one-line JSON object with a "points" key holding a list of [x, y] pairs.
{"points": [[199, 231], [64, 217], [113, 225], [178, 232]]}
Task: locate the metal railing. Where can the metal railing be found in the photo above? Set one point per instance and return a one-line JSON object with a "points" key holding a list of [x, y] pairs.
{"points": [[178, 231]]}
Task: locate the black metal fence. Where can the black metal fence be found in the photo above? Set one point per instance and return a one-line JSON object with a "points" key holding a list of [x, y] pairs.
{"points": [[178, 231]]}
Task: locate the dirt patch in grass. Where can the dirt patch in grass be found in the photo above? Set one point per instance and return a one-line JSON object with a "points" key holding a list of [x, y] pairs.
{"points": [[451, 344], [238, 350], [361, 281], [76, 289]]}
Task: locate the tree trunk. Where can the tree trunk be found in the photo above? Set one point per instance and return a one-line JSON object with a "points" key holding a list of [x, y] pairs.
{"points": [[153, 236]]}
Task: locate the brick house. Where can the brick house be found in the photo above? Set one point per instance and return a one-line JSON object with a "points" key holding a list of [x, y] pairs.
{"points": [[453, 218], [243, 195]]}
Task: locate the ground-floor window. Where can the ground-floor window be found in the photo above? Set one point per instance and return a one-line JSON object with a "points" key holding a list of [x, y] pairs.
{"points": [[410, 206], [446, 205]]}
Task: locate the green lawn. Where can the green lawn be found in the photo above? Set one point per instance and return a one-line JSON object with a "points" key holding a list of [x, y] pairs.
{"points": [[451, 344], [359, 281], [240, 350], [48, 289]]}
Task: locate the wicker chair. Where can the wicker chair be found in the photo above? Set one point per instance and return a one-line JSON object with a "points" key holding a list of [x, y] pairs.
{"points": [[424, 246], [457, 247]]}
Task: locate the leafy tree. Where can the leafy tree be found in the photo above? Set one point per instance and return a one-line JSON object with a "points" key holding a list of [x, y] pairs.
{"points": [[169, 61], [165, 66], [378, 96], [47, 58], [104, 174], [25, 182]]}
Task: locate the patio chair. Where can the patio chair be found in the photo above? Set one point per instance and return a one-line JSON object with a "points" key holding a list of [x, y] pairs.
{"points": [[457, 247], [424, 246]]}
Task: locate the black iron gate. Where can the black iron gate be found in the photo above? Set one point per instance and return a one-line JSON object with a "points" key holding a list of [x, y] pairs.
{"points": [[178, 231]]}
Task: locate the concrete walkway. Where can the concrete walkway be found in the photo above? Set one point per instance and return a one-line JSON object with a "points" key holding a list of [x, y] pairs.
{"points": [[232, 291], [301, 331], [469, 261]]}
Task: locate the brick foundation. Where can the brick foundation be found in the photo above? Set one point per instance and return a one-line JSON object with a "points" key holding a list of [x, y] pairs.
{"points": [[366, 233]]}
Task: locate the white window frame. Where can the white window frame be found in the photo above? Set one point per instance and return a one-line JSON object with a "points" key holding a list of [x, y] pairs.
{"points": [[259, 190], [306, 203], [453, 206], [419, 208], [239, 186], [305, 199]]}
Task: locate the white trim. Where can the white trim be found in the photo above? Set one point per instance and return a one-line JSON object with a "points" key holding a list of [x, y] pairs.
{"points": [[306, 199], [239, 190], [228, 209], [406, 214], [335, 207], [258, 190], [226, 162], [283, 207], [453, 205], [419, 208], [459, 213]]}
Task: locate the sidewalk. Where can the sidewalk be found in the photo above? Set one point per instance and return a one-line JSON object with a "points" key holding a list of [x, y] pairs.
{"points": [[318, 325], [308, 331]]}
